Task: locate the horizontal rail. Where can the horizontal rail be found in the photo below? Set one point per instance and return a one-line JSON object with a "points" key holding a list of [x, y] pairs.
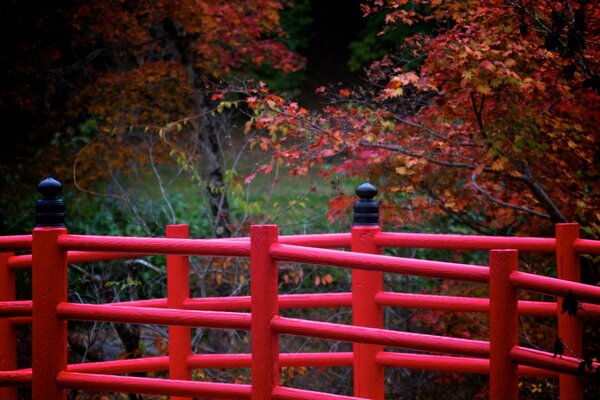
{"points": [[322, 240], [22, 377], [152, 303], [168, 387], [372, 262], [586, 246], [335, 359], [407, 340], [158, 316], [15, 242], [20, 320], [286, 393], [198, 247], [74, 257], [322, 300], [146, 364], [553, 286], [19, 308], [450, 364], [327, 240], [464, 242], [392, 299], [545, 360], [19, 377], [459, 304]]}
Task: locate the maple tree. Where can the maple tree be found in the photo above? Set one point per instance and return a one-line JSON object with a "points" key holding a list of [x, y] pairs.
{"points": [[141, 75], [492, 117], [163, 58]]}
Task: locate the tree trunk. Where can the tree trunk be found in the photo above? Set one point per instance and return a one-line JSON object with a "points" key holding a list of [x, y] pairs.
{"points": [[206, 132]]}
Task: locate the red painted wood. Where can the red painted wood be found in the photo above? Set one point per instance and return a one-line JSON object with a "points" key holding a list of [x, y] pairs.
{"points": [[368, 374], [542, 359], [285, 360], [320, 240], [130, 384], [460, 304], [585, 245], [8, 342], [407, 340], [285, 393], [555, 287], [155, 245], [49, 288], [504, 325], [74, 257], [465, 242], [147, 315], [20, 320], [570, 329], [178, 290], [266, 324], [237, 303], [152, 303], [451, 364], [12, 379], [15, 242], [396, 265], [264, 290], [146, 364], [21, 308]]}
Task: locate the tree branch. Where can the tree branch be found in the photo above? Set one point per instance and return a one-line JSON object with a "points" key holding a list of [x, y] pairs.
{"points": [[504, 203]]}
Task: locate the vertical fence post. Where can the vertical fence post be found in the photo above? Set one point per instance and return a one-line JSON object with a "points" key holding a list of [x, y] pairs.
{"points": [[49, 289], [368, 374], [178, 290], [264, 292], [570, 329], [8, 340], [504, 325]]}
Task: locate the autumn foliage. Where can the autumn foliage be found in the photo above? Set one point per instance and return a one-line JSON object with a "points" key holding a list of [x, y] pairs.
{"points": [[491, 117]]}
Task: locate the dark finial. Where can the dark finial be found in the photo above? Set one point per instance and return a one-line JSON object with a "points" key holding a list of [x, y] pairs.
{"points": [[366, 210], [50, 208]]}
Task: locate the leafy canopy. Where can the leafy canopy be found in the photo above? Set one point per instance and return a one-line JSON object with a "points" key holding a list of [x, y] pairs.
{"points": [[491, 118]]}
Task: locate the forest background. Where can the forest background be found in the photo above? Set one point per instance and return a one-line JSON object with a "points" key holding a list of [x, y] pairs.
{"points": [[470, 117]]}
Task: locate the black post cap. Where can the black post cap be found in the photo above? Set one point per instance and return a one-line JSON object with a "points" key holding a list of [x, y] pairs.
{"points": [[366, 210], [50, 208]]}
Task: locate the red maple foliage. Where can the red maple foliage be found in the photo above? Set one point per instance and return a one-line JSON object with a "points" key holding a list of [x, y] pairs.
{"points": [[491, 118]]}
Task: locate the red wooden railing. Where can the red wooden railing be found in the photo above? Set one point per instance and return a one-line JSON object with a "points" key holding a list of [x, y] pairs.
{"points": [[52, 249]]}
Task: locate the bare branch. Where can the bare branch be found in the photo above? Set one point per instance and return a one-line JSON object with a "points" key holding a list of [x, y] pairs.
{"points": [[504, 203]]}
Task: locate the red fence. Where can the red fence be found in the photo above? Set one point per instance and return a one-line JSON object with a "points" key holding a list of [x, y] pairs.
{"points": [[52, 249]]}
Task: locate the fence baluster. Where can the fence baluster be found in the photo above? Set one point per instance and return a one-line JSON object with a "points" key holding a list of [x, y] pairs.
{"points": [[369, 379], [8, 340], [570, 329], [178, 290], [49, 289], [504, 325], [264, 304]]}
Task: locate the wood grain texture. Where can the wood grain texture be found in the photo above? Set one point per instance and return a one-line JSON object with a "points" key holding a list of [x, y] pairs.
{"points": [[406, 340], [16, 242], [168, 387], [397, 265], [504, 325], [264, 290], [199, 247], [465, 242], [148, 315]]}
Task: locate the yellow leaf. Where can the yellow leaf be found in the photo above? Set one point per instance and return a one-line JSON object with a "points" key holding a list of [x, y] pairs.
{"points": [[498, 165], [484, 88]]}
